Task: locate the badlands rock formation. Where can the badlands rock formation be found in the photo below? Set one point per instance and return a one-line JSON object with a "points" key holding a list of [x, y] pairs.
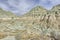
{"points": [[37, 24]]}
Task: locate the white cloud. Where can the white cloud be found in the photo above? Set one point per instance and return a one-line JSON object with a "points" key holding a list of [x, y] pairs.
{"points": [[22, 6], [55, 2]]}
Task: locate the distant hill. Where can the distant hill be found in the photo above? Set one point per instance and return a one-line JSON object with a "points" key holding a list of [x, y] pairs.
{"points": [[6, 14], [36, 11]]}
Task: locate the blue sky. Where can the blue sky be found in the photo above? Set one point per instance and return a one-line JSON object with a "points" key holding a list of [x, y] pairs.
{"points": [[20, 7]]}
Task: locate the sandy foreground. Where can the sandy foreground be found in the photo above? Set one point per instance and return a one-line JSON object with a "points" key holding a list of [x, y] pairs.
{"points": [[9, 38]]}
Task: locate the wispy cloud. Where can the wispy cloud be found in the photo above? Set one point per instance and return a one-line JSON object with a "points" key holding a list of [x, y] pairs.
{"points": [[18, 6], [22, 6]]}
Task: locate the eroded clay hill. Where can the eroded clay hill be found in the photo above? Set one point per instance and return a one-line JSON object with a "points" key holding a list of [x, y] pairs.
{"points": [[37, 24]]}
